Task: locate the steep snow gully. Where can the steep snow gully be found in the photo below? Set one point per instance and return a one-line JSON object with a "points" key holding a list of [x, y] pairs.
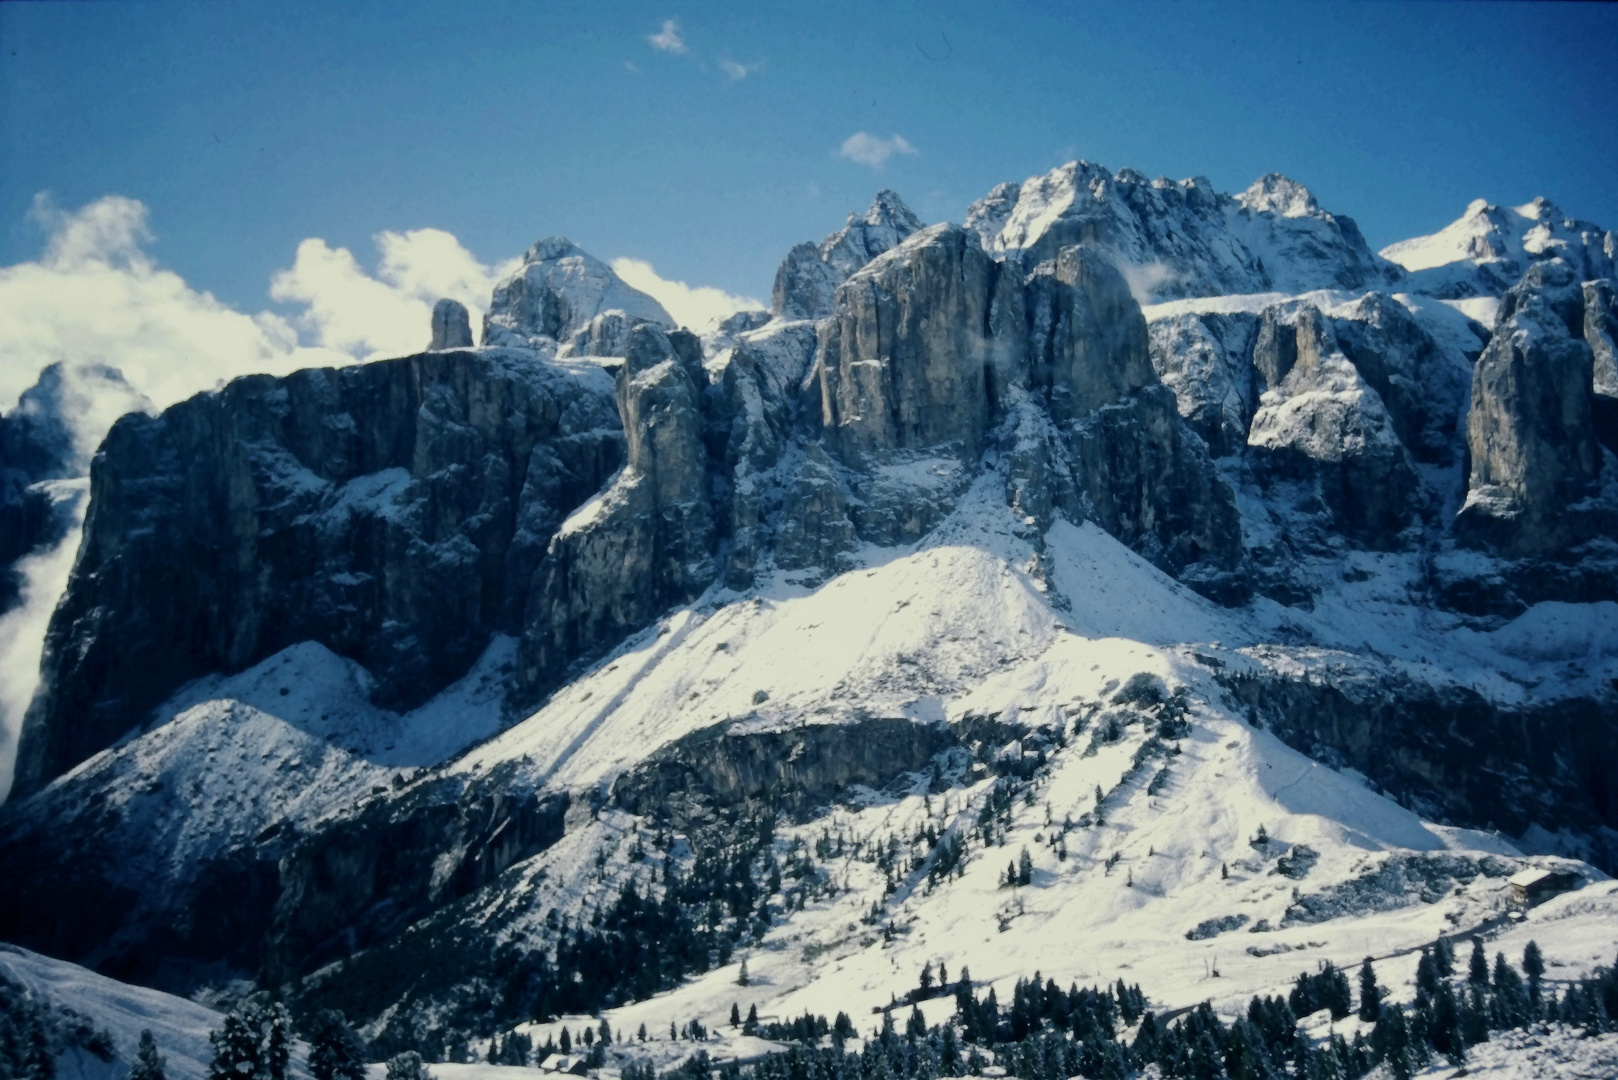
{"points": [[1135, 582]]}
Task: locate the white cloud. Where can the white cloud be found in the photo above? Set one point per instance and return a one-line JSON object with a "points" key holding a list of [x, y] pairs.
{"points": [[668, 39], [350, 311], [700, 308], [867, 149], [95, 296], [738, 71]]}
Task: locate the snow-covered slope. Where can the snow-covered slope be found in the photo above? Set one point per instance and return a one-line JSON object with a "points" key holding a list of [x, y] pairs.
{"points": [[179, 1027], [1172, 842], [867, 683]]}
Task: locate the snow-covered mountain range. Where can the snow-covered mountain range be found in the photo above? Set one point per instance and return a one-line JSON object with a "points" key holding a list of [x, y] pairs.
{"points": [[1259, 588]]}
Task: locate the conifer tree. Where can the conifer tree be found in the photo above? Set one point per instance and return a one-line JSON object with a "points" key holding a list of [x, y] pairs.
{"points": [[750, 1026], [1427, 977], [1477, 971], [1533, 966], [335, 1050], [1444, 956], [566, 1043], [1025, 868], [407, 1066], [254, 1043], [1474, 1016], [148, 1064], [735, 1015], [1370, 994]]}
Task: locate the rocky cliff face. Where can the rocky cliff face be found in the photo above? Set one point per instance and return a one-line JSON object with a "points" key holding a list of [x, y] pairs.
{"points": [[396, 512], [1530, 430], [647, 541]]}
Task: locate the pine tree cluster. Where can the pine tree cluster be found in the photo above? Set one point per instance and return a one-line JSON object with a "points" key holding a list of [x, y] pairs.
{"points": [[1050, 1034]]}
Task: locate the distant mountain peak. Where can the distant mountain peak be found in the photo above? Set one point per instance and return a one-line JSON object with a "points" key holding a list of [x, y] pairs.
{"points": [[1276, 194]]}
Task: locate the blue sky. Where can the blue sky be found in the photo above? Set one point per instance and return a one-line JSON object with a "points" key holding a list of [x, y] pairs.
{"points": [[246, 128]]}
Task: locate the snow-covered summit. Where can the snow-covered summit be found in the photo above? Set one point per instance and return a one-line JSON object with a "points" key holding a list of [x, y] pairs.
{"points": [[557, 292], [1487, 248], [1276, 194], [1176, 239]]}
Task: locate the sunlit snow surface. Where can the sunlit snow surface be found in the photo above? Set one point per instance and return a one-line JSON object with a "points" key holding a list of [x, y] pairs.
{"points": [[985, 618], [957, 627]]}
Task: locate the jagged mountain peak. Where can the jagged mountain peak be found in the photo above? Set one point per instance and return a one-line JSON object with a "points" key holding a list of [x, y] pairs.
{"points": [[1178, 239], [810, 273], [889, 210], [553, 247], [1485, 250], [1276, 194], [559, 290]]}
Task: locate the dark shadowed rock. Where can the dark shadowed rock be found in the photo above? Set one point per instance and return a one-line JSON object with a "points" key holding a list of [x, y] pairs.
{"points": [[1424, 393], [1087, 343], [452, 326]]}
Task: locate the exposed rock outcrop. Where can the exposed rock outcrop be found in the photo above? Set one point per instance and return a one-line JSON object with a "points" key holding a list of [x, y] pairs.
{"points": [[396, 512], [557, 292], [902, 360], [1601, 334], [1206, 360], [1318, 421], [452, 326], [1087, 343], [649, 539], [809, 275], [793, 770], [1530, 429]]}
